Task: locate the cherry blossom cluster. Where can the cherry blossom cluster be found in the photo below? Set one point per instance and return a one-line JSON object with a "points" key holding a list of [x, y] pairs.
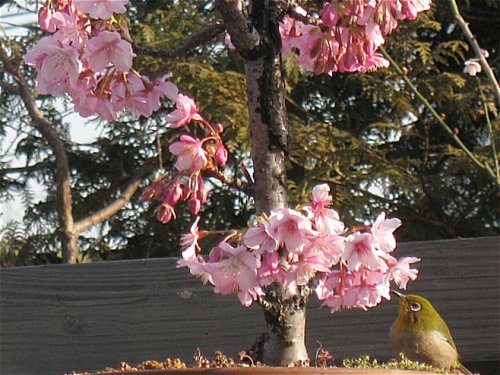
{"points": [[196, 158], [350, 269], [346, 34], [89, 56]]}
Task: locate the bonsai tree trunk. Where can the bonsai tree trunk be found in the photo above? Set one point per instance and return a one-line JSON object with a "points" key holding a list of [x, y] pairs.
{"points": [[257, 38]]}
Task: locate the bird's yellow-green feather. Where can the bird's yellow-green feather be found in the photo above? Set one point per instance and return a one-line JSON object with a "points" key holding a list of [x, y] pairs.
{"points": [[419, 329]]}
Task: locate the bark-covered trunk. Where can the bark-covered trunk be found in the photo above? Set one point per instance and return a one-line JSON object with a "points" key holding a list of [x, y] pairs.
{"points": [[255, 34]]}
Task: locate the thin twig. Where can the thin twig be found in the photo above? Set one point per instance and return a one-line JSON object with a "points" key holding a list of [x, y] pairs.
{"points": [[197, 39], [490, 128], [477, 49], [233, 182], [439, 120]]}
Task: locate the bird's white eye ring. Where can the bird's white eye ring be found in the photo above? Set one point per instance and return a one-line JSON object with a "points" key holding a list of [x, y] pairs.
{"points": [[415, 306]]}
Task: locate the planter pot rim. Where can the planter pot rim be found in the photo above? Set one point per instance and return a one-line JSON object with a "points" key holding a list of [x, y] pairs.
{"points": [[276, 371]]}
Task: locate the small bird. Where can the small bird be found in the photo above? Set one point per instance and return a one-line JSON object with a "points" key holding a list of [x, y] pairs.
{"points": [[422, 335]]}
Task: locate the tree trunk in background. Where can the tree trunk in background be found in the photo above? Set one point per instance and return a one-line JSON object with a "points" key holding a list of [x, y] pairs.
{"points": [[256, 36]]}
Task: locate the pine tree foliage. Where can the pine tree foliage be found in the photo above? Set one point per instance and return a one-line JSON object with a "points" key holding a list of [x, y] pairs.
{"points": [[367, 135]]}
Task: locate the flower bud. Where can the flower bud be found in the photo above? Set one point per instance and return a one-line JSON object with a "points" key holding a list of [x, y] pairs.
{"points": [[218, 128], [148, 194], [194, 206], [173, 193], [221, 155], [164, 213], [45, 19]]}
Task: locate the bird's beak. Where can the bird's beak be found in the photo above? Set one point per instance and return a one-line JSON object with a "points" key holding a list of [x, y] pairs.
{"points": [[400, 295]]}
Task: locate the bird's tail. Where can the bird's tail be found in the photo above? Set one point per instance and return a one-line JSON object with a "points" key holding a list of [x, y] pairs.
{"points": [[464, 370]]}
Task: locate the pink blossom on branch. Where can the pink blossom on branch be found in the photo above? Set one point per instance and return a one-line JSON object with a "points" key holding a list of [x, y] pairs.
{"points": [[291, 228], [350, 33], [102, 9], [325, 219], [108, 48], [190, 153], [360, 251], [382, 231], [45, 19], [189, 241], [401, 272], [286, 247], [237, 272], [58, 65], [185, 112]]}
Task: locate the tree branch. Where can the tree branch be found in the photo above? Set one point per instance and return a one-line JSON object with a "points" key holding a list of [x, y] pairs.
{"points": [[115, 206], [239, 26], [29, 168], [63, 186], [233, 182], [197, 39], [485, 166]]}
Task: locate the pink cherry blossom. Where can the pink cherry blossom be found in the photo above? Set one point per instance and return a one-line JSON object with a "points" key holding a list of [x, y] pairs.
{"points": [[291, 229], [325, 220], [327, 248], [106, 48], [102, 9], [197, 267], [237, 273], [185, 112], [270, 271], [411, 8], [401, 272], [332, 287], [45, 19], [164, 88], [189, 241], [88, 103], [304, 270], [73, 27], [58, 65], [190, 153], [261, 237], [368, 289], [472, 67], [360, 252], [382, 231], [350, 34], [196, 191]]}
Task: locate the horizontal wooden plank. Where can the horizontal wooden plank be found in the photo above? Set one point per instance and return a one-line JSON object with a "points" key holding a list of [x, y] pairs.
{"points": [[59, 318]]}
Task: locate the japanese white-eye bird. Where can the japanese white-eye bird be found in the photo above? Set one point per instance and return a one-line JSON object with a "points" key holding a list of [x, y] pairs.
{"points": [[422, 335]]}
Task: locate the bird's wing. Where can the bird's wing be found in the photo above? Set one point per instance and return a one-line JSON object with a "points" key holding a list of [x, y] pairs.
{"points": [[443, 337]]}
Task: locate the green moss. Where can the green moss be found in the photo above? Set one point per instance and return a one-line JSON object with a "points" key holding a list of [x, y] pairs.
{"points": [[401, 363]]}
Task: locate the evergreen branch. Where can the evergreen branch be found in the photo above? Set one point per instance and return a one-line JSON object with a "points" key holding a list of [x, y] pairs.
{"points": [[9, 87], [197, 39], [439, 120], [477, 49]]}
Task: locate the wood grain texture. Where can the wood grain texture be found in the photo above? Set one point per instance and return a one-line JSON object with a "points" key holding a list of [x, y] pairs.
{"points": [[59, 318]]}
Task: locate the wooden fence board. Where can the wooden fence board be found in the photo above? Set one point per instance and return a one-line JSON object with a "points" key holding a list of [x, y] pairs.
{"points": [[59, 318]]}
